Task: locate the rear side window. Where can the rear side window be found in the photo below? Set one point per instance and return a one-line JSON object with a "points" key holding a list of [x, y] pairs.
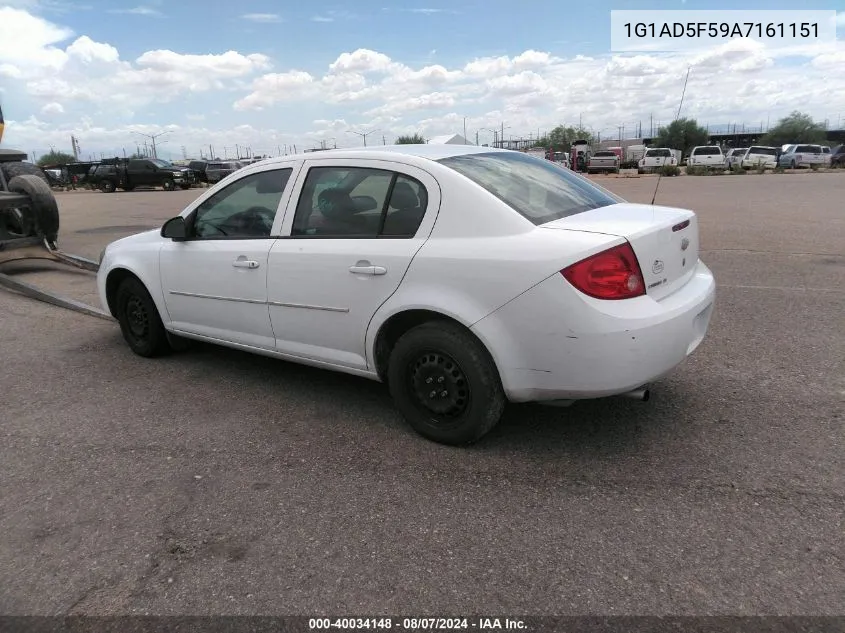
{"points": [[359, 202], [539, 190]]}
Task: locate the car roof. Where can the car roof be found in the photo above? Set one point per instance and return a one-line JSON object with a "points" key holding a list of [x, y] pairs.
{"points": [[388, 152]]}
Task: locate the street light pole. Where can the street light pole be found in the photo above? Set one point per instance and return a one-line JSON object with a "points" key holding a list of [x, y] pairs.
{"points": [[364, 135], [153, 138]]}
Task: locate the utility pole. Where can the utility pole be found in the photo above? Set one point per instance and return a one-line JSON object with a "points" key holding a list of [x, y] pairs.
{"points": [[476, 138], [383, 141], [364, 135], [465, 127]]}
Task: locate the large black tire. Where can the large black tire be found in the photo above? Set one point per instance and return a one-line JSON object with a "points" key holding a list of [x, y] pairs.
{"points": [[10, 170], [107, 186], [43, 208], [445, 384], [140, 322], [168, 185]]}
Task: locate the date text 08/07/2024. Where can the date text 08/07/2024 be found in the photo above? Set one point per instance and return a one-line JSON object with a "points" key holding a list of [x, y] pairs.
{"points": [[418, 624], [722, 29]]}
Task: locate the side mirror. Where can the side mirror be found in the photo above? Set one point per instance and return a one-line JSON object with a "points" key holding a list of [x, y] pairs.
{"points": [[174, 229]]}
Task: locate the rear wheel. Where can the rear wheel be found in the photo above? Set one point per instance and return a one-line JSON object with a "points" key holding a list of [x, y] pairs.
{"points": [[445, 384], [139, 320]]}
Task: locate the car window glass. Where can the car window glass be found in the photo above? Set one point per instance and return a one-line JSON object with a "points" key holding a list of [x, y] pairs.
{"points": [[244, 209], [408, 203], [342, 202], [539, 190]]}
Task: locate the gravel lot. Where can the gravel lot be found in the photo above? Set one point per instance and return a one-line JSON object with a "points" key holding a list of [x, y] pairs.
{"points": [[218, 482]]}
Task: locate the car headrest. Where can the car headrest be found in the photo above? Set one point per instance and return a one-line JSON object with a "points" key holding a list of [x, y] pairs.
{"points": [[404, 196]]}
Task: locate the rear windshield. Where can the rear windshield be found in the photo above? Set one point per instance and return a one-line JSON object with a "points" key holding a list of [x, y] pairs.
{"points": [[738, 150], [658, 152], [539, 190], [766, 151], [604, 154], [706, 151], [809, 149]]}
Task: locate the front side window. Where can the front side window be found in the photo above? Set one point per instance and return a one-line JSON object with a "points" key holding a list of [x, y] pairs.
{"points": [[539, 190], [359, 202], [244, 209]]}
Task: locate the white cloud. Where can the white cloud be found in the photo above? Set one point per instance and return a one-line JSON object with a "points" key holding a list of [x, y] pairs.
{"points": [[265, 18], [368, 89], [139, 10]]}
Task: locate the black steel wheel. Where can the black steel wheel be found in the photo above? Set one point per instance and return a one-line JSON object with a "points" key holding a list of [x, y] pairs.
{"points": [[445, 384], [139, 320]]}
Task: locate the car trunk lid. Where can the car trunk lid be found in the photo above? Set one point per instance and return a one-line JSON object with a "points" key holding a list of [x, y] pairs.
{"points": [[664, 239]]}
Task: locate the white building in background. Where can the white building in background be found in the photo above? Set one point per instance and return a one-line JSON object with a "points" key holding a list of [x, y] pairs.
{"points": [[449, 139]]}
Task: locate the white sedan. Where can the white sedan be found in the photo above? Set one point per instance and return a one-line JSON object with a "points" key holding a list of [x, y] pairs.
{"points": [[463, 277]]}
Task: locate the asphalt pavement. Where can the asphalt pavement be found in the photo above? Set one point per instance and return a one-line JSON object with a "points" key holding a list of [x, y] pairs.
{"points": [[217, 482]]}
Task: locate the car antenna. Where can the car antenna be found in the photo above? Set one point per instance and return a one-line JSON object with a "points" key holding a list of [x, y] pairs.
{"points": [[677, 116]]}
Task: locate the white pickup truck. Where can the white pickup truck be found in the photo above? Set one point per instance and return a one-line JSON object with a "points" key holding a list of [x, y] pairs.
{"points": [[707, 156], [655, 157]]}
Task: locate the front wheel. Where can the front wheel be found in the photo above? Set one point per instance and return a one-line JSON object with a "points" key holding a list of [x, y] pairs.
{"points": [[139, 320], [168, 185], [107, 186], [445, 384]]}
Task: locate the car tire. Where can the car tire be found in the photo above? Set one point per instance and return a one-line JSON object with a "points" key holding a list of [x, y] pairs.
{"points": [[140, 322], [471, 400], [792, 165], [107, 186], [168, 185], [44, 211], [10, 170]]}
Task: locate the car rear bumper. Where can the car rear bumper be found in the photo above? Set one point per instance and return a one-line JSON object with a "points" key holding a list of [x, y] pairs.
{"points": [[548, 347]]}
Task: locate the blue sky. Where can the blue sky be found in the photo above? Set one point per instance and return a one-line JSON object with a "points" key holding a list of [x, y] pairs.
{"points": [[300, 73]]}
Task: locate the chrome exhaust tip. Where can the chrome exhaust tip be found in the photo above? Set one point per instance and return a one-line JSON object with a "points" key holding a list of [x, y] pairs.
{"points": [[642, 394]]}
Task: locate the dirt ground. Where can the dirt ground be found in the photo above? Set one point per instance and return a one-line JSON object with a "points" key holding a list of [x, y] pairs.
{"points": [[216, 482]]}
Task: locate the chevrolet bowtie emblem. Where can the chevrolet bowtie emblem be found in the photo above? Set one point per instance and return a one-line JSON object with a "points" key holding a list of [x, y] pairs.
{"points": [[684, 244]]}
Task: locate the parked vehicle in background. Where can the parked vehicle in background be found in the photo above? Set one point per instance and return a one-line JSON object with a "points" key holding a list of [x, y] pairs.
{"points": [[709, 156], [837, 156], [539, 152], [580, 155], [142, 172], [603, 161], [561, 157], [760, 156], [217, 171], [826, 155], [655, 157], [635, 152], [733, 156], [386, 263], [802, 155], [198, 167]]}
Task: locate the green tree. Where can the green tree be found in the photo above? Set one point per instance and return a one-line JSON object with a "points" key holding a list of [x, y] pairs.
{"points": [[56, 158], [682, 134], [560, 138], [795, 128], [415, 139]]}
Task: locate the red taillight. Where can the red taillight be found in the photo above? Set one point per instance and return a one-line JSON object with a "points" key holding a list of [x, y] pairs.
{"points": [[611, 274]]}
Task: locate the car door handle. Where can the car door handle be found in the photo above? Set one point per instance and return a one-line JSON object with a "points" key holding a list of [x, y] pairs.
{"points": [[368, 270], [245, 263]]}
